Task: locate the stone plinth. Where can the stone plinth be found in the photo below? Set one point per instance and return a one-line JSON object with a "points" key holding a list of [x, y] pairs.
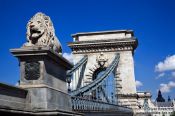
{"points": [[43, 73]]}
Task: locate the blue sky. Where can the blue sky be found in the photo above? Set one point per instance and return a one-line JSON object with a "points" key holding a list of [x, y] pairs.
{"points": [[153, 22]]}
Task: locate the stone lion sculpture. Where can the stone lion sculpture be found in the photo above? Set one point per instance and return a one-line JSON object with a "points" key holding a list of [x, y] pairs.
{"points": [[41, 33]]}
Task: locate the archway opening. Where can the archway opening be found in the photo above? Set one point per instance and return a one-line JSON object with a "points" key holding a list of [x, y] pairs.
{"points": [[104, 92], [98, 73]]}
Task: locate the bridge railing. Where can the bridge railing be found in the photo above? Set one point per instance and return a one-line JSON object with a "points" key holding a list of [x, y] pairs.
{"points": [[82, 104]]}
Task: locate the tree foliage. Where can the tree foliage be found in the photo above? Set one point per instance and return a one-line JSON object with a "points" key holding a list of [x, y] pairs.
{"points": [[173, 114]]}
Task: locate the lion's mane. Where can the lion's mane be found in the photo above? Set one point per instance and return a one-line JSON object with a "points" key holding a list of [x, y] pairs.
{"points": [[48, 38]]}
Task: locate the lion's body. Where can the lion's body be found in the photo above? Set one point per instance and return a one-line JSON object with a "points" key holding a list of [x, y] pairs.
{"points": [[40, 32]]}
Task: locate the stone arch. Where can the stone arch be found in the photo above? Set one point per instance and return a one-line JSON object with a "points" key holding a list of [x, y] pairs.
{"points": [[97, 71], [91, 71]]}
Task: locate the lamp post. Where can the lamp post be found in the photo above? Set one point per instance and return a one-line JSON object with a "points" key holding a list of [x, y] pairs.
{"points": [[69, 81]]}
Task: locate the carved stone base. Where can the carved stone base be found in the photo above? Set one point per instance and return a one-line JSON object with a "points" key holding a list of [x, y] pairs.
{"points": [[43, 73], [128, 100]]}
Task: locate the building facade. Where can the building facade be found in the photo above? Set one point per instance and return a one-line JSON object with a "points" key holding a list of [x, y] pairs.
{"points": [[148, 107]]}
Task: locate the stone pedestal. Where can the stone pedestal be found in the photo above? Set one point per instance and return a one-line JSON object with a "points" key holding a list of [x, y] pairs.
{"points": [[43, 73]]}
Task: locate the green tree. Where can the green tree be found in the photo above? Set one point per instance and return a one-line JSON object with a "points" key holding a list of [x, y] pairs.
{"points": [[173, 113]]}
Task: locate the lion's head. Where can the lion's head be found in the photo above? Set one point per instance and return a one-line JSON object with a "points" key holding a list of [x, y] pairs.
{"points": [[35, 29], [40, 32]]}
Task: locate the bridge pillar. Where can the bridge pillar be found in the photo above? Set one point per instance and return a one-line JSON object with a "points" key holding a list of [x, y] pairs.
{"points": [[43, 74], [125, 80], [93, 44]]}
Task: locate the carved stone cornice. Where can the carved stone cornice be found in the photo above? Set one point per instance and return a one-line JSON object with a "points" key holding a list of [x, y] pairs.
{"points": [[127, 96], [103, 32], [144, 95], [104, 45]]}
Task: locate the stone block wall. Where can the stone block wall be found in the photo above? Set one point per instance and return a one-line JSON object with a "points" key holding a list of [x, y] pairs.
{"points": [[12, 97]]}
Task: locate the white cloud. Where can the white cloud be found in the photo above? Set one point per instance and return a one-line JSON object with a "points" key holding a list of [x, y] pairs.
{"points": [[160, 75], [138, 83], [17, 84], [165, 88], [68, 56], [171, 84], [166, 65]]}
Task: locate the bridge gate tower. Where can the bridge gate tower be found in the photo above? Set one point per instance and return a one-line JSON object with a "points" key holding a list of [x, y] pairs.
{"points": [[100, 49]]}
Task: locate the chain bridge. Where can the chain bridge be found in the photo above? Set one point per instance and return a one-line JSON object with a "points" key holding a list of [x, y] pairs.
{"points": [[102, 78], [99, 82]]}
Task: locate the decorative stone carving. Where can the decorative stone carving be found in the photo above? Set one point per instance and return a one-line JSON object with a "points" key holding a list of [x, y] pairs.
{"points": [[40, 33], [32, 70], [101, 59]]}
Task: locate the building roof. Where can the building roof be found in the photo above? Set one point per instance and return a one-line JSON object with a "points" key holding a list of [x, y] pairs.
{"points": [[163, 104], [102, 32]]}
